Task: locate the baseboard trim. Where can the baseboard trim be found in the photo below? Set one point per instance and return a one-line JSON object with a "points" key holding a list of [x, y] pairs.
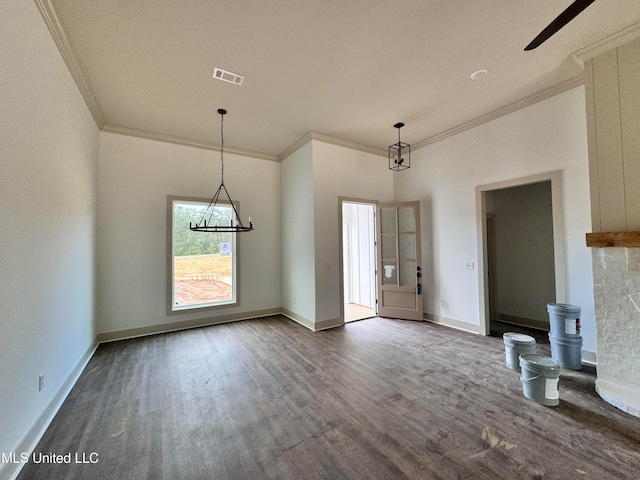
{"points": [[523, 321], [589, 358], [184, 325], [305, 322], [451, 323], [327, 324], [29, 442], [310, 324]]}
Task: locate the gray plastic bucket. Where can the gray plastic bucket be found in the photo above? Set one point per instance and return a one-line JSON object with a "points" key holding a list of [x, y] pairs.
{"points": [[567, 351], [514, 345], [564, 319], [540, 375]]}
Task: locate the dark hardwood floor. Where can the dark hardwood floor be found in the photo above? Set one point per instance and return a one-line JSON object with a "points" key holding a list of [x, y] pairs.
{"points": [[376, 399]]}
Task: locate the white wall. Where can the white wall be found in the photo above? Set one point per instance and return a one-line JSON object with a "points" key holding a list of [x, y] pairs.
{"points": [[313, 179], [340, 172], [48, 165], [135, 177], [550, 135], [298, 265]]}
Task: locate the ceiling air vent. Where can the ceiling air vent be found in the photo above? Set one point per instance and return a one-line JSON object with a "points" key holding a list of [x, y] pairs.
{"points": [[228, 76]]}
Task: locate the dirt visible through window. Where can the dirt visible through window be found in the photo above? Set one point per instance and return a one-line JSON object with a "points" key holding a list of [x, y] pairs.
{"points": [[202, 279]]}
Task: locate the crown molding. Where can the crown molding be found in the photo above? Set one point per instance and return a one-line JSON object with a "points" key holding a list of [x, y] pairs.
{"points": [[514, 107], [132, 132], [319, 137], [348, 144], [295, 147], [55, 28], [606, 44]]}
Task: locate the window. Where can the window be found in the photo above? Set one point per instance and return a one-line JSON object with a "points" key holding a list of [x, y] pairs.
{"points": [[202, 266]]}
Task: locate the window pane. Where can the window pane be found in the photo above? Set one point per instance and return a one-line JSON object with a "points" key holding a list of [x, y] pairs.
{"points": [[406, 220], [389, 272], [388, 246], [203, 262], [407, 273], [407, 246], [388, 220]]}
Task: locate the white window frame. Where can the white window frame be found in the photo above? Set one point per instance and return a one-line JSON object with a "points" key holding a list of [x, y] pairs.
{"points": [[171, 306]]}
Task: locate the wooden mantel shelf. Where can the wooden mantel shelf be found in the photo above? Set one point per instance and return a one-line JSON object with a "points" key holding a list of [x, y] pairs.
{"points": [[613, 239]]}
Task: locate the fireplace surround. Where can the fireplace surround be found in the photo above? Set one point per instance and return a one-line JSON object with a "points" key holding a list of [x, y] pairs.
{"points": [[616, 285]]}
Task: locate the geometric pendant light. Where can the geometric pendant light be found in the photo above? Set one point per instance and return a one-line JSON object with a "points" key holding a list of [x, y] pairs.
{"points": [[399, 153], [205, 225]]}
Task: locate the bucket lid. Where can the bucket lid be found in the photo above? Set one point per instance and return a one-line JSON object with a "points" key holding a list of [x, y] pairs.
{"points": [[519, 338], [537, 360], [563, 307]]}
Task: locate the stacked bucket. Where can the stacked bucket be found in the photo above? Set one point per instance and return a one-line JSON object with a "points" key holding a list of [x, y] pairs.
{"points": [[564, 335], [539, 373], [516, 344]]}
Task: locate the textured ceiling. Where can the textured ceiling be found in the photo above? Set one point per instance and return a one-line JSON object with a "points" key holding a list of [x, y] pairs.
{"points": [[349, 69]]}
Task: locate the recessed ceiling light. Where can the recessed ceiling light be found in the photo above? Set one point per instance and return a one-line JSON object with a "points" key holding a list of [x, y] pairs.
{"points": [[478, 74]]}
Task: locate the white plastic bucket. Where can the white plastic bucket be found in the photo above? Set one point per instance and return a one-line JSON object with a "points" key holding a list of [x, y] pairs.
{"points": [[514, 345], [567, 351], [564, 319], [540, 375]]}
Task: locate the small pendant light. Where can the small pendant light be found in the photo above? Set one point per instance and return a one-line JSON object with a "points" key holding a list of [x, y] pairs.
{"points": [[399, 153]]}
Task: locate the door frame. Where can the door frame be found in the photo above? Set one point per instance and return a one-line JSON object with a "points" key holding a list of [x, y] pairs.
{"points": [[342, 200], [491, 267], [481, 234]]}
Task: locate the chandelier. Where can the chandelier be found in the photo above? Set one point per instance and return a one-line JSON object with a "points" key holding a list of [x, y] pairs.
{"points": [[205, 224]]}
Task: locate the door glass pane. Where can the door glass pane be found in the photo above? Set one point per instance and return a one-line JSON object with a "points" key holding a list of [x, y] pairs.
{"points": [[389, 272], [407, 246], [406, 220], [407, 273], [388, 220], [389, 246]]}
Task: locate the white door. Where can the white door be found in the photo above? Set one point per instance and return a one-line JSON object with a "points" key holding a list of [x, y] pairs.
{"points": [[398, 260]]}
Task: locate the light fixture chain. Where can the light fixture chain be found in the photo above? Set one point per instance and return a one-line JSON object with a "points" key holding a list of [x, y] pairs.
{"points": [[222, 147]]}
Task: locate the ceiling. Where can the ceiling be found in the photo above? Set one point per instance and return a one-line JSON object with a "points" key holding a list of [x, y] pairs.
{"points": [[348, 69]]}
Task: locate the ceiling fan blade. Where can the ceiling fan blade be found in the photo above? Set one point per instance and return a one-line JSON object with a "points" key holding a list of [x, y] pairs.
{"points": [[565, 17]]}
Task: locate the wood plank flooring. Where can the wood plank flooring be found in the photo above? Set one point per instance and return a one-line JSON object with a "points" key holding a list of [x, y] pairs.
{"points": [[375, 399]]}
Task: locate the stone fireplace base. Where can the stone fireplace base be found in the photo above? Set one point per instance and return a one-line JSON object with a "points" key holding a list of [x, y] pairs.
{"points": [[619, 396], [616, 284]]}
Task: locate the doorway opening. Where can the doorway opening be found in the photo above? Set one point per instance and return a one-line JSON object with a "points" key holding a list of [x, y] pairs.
{"points": [[358, 260], [521, 238]]}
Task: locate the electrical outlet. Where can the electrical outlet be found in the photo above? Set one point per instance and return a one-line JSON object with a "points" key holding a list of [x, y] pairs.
{"points": [[470, 266], [41, 382]]}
